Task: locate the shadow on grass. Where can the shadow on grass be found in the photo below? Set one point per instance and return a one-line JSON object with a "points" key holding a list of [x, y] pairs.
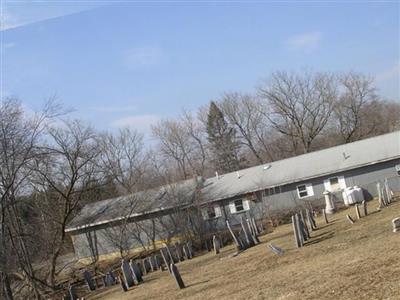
{"points": [[319, 238], [197, 283]]}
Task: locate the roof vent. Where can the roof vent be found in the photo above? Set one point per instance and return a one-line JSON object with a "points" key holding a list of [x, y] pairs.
{"points": [[266, 167]]}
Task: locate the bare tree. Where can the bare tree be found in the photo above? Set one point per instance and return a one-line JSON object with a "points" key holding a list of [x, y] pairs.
{"points": [[357, 95], [123, 159], [65, 172], [19, 139], [299, 105]]}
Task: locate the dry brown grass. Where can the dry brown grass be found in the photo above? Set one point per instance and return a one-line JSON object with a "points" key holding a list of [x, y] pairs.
{"points": [[342, 261]]}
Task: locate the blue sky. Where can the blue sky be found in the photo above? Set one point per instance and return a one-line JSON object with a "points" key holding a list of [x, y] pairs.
{"points": [[133, 63]]}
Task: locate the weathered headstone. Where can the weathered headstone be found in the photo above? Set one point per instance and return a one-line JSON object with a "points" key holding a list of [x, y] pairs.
{"points": [[137, 275], [179, 251], [166, 258], [350, 219], [89, 280], [166, 247], [109, 279], [295, 232], [329, 204], [190, 247], [127, 273], [72, 293], [253, 221], [276, 250], [303, 228], [304, 225], [388, 191], [252, 232], [365, 209], [122, 283], [216, 244], [325, 217], [300, 230], [177, 276], [249, 240], [238, 246], [396, 225], [357, 211]]}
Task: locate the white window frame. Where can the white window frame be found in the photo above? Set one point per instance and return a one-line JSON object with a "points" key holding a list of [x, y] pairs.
{"points": [[308, 189], [341, 182], [217, 212], [233, 207]]}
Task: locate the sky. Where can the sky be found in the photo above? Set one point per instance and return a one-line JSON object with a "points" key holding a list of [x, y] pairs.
{"points": [[132, 63]]}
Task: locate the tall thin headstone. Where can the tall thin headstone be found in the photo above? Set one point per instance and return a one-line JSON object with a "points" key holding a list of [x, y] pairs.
{"points": [[365, 209], [304, 226], [357, 211], [137, 275], [216, 244], [252, 232], [127, 273], [166, 258], [177, 276], [238, 246], [296, 232], [89, 280], [122, 283], [325, 217], [249, 241]]}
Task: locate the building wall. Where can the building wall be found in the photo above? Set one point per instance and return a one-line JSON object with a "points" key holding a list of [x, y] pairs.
{"points": [[365, 177]]}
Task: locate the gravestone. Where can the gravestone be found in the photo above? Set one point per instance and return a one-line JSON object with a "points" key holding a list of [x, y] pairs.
{"points": [[216, 244], [127, 273], [166, 247], [89, 280], [365, 209], [276, 250], [177, 276], [253, 234], [396, 225], [137, 275], [299, 229], [325, 217], [122, 283], [190, 248], [166, 258], [238, 246], [253, 221], [248, 239], [151, 262], [109, 279], [357, 211], [350, 219], [304, 226], [179, 251], [296, 232], [72, 293]]}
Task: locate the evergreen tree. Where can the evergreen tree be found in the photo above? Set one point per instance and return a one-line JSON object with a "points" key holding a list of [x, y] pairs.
{"points": [[223, 142]]}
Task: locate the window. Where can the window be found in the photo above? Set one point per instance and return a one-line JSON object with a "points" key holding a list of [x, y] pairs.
{"points": [[211, 212], [305, 190], [334, 182], [272, 191], [239, 205]]}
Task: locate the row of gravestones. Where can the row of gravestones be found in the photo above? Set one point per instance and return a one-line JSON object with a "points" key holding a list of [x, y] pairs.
{"points": [[303, 223], [247, 235]]}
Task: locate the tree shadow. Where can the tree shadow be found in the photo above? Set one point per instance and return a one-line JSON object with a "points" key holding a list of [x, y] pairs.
{"points": [[319, 238]]}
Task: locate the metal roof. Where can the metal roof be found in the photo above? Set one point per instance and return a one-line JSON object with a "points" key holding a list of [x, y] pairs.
{"points": [[299, 168], [295, 169], [134, 205]]}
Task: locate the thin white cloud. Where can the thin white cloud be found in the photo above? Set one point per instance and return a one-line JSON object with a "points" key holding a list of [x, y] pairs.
{"points": [[143, 56], [307, 42], [139, 122], [389, 74], [112, 108], [9, 45], [9, 21]]}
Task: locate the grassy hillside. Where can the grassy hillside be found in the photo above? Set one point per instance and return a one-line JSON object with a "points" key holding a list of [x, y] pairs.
{"points": [[341, 261]]}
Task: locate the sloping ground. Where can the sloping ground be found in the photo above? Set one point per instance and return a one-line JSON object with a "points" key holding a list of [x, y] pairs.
{"points": [[342, 261]]}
